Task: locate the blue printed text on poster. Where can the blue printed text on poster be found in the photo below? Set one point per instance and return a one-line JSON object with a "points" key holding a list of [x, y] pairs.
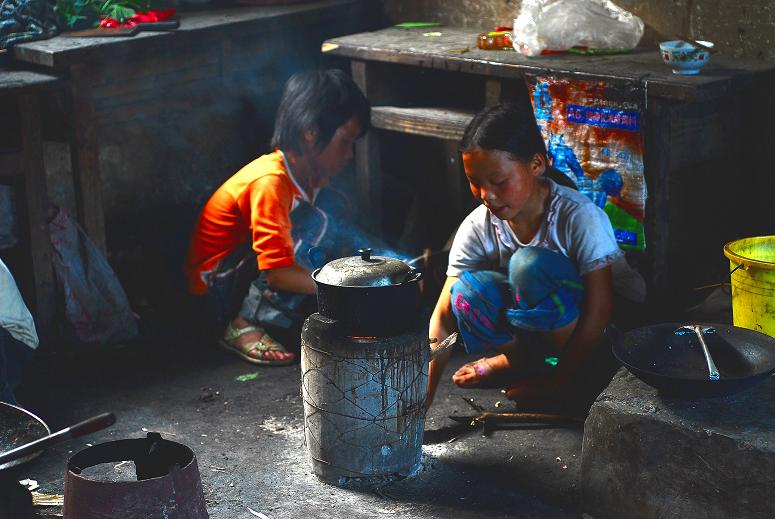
{"points": [[604, 117]]}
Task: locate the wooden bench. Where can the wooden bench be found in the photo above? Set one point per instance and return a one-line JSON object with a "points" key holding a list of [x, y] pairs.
{"points": [[22, 165]]}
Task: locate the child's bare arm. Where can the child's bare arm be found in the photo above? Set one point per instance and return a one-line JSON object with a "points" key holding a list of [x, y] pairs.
{"points": [[293, 278], [577, 342], [441, 326]]}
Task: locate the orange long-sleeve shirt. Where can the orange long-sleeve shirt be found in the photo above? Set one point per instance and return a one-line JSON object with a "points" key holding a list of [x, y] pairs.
{"points": [[254, 206]]}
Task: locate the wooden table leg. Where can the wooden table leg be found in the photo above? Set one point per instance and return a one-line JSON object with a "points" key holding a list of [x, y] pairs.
{"points": [[367, 161], [36, 199], [84, 155], [505, 90], [461, 194]]}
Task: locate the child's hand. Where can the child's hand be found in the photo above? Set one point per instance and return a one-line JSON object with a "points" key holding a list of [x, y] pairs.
{"points": [[532, 392]]}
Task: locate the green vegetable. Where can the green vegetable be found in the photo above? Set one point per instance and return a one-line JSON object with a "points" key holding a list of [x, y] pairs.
{"points": [[417, 25]]}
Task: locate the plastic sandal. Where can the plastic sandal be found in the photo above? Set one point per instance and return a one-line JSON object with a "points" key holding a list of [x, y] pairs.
{"points": [[264, 344]]}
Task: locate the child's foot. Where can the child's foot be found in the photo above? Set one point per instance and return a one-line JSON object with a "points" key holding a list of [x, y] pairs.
{"points": [[253, 344], [487, 372]]}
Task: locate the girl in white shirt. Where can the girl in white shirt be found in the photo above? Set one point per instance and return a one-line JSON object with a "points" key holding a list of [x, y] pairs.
{"points": [[531, 272]]}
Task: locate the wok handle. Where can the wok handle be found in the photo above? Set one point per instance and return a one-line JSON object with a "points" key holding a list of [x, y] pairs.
{"points": [[712, 369], [90, 425]]}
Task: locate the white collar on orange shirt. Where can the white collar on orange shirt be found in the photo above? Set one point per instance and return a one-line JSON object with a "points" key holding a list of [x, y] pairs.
{"points": [[304, 194]]}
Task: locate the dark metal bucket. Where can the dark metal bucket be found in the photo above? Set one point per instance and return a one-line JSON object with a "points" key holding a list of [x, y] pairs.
{"points": [[168, 482]]}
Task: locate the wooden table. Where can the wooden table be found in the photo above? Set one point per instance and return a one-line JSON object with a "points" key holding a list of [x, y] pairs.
{"points": [[23, 165], [704, 185], [116, 76]]}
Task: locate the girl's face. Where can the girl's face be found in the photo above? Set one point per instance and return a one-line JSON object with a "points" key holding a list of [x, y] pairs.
{"points": [[502, 184], [330, 160]]}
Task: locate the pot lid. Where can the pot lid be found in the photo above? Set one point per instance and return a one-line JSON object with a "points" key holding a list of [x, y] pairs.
{"points": [[364, 271]]}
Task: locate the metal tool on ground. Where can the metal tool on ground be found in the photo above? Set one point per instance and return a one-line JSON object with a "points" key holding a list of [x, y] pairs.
{"points": [[486, 418], [699, 331], [101, 32]]}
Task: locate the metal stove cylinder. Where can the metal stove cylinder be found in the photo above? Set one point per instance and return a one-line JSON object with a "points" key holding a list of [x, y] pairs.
{"points": [[364, 401]]}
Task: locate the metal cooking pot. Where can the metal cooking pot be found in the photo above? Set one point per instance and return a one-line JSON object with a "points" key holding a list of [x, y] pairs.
{"points": [[370, 296], [674, 362]]}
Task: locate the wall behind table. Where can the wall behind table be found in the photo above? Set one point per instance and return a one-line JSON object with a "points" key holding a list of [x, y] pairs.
{"points": [[740, 28]]}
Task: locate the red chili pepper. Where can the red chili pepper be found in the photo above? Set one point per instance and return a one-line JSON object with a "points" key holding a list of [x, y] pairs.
{"points": [[151, 16]]}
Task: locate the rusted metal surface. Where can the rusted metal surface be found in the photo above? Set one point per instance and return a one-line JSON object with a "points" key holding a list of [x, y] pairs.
{"points": [[168, 482]]}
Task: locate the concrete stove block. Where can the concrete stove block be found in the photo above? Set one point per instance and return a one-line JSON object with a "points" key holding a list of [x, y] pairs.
{"points": [[645, 455]]}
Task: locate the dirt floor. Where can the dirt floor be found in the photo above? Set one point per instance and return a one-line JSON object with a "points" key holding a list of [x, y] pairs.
{"points": [[248, 438]]}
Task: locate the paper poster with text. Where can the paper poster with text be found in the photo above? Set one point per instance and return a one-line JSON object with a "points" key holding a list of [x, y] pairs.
{"points": [[593, 133]]}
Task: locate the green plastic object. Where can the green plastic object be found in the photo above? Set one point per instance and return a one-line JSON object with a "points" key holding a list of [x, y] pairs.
{"points": [[621, 219], [417, 25]]}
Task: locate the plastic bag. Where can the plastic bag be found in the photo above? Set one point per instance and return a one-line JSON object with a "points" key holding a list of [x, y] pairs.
{"points": [[96, 305], [561, 24]]}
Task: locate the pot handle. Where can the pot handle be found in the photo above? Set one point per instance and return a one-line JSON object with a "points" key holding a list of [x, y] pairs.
{"points": [[411, 276], [445, 345]]}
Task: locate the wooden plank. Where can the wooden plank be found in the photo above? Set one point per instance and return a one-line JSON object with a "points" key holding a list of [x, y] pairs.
{"points": [[63, 51], [17, 81], [36, 202], [455, 50], [85, 159], [441, 123]]}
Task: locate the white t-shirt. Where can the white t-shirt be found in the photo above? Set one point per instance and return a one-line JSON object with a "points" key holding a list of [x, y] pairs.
{"points": [[574, 227], [14, 315]]}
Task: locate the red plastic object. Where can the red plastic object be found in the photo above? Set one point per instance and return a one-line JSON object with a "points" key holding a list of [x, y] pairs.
{"points": [[494, 40]]}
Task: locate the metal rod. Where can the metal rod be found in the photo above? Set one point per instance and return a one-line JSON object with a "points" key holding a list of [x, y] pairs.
{"points": [[698, 330]]}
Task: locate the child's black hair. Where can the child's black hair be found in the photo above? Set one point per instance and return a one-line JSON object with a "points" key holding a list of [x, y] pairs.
{"points": [[320, 100], [508, 127]]}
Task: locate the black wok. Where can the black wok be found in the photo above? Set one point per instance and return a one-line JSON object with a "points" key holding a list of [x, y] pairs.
{"points": [[675, 363], [18, 427], [23, 435]]}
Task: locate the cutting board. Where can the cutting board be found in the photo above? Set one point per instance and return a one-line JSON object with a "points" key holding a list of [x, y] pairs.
{"points": [[99, 32]]}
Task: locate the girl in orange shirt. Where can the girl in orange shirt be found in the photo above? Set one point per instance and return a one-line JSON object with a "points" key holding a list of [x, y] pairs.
{"points": [[257, 227]]}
